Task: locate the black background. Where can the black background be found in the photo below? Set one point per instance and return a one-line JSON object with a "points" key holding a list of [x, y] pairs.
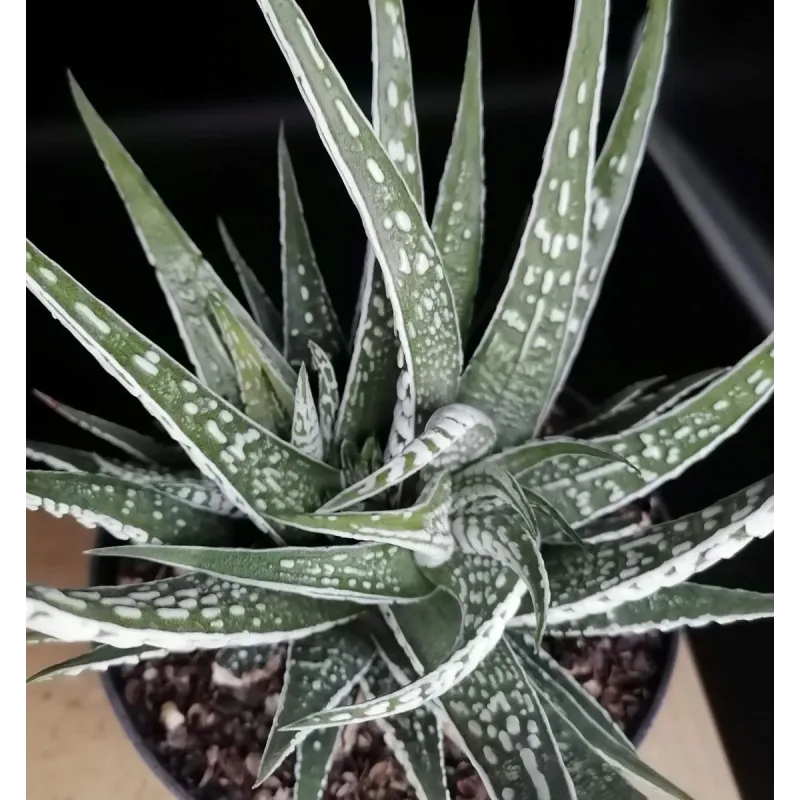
{"points": [[196, 91]]}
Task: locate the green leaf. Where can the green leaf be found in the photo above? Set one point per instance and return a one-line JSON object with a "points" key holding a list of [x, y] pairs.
{"points": [[255, 469], [547, 674], [308, 314], [320, 672], [394, 115], [567, 532], [315, 757], [328, 396], [129, 441], [458, 217], [592, 777], [510, 534], [306, 431], [488, 596], [263, 396], [521, 461], [415, 738], [186, 613], [350, 461], [646, 406], [98, 659], [424, 311], [195, 491], [263, 309], [615, 176], [454, 434], [588, 720], [662, 448], [517, 367], [125, 509], [423, 527], [604, 576], [198, 493], [672, 607], [183, 274], [621, 401], [68, 459], [369, 391], [618, 525], [366, 573], [500, 724], [233, 665]]}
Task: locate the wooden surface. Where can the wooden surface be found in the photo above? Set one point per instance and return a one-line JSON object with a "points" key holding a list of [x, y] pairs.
{"points": [[76, 749]]}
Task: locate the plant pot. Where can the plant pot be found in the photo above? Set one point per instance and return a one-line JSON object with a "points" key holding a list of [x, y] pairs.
{"points": [[104, 571]]}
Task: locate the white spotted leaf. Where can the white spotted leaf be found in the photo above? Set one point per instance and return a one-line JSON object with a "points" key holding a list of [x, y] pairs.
{"points": [[453, 435], [593, 778], [415, 738], [488, 596], [327, 397], [254, 468], [321, 671], [314, 758], [262, 308], [618, 402], [71, 459], [417, 288], [516, 367], [240, 666], [508, 533], [185, 485], [458, 217], [565, 697], [423, 527], [198, 493], [142, 447], [98, 659], [370, 389], [262, 394], [615, 175], [308, 314], [642, 406], [183, 274], [306, 430], [607, 575], [519, 461], [660, 449], [186, 613], [367, 573], [125, 509], [500, 724], [686, 605]]}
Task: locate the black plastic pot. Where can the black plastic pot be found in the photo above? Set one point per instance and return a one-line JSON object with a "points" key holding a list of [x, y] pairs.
{"points": [[103, 572]]}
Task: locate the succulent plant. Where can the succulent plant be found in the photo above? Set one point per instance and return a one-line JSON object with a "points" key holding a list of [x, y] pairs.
{"points": [[416, 556]]}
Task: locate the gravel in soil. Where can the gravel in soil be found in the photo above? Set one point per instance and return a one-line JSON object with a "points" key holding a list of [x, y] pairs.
{"points": [[209, 734]]}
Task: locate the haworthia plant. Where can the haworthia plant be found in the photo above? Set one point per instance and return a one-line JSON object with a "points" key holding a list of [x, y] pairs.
{"points": [[401, 528]]}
